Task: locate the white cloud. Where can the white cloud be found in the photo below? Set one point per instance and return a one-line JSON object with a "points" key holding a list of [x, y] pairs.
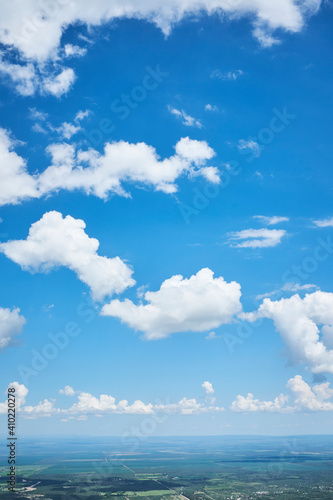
{"points": [[304, 399], [187, 407], [211, 107], [44, 408], [271, 221], [265, 38], [16, 184], [251, 145], [55, 241], [20, 395], [324, 222], [208, 388], [257, 238], [11, 324], [250, 404], [187, 120], [37, 31], [212, 336], [67, 130], [298, 321], [227, 75], [287, 287], [100, 174], [196, 304], [59, 84], [23, 77], [67, 391], [28, 79], [314, 399], [74, 50]]}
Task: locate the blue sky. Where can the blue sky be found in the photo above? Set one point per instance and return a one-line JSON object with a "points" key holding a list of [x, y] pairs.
{"points": [[243, 164]]}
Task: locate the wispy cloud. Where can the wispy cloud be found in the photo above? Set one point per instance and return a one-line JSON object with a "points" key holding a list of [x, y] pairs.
{"points": [[324, 222], [187, 120], [249, 145], [256, 238], [271, 221], [227, 75]]}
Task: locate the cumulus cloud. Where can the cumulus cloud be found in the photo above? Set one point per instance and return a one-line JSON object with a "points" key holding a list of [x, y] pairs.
{"points": [[299, 321], [11, 325], [250, 404], [59, 84], [87, 404], [101, 174], [271, 221], [37, 31], [55, 241], [256, 238], [208, 388], [67, 391], [304, 399], [16, 184], [196, 304], [186, 119], [20, 396], [29, 79]]}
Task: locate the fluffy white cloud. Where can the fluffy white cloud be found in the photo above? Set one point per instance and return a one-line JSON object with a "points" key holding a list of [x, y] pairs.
{"points": [[208, 388], [187, 120], [74, 50], [37, 31], [20, 395], [304, 398], [324, 222], [100, 174], [227, 75], [55, 241], [67, 391], [250, 404], [44, 408], [16, 184], [59, 84], [11, 324], [314, 399], [28, 78], [271, 221], [196, 304], [298, 321], [257, 238]]}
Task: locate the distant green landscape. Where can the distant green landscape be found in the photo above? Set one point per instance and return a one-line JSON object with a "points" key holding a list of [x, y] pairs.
{"points": [[217, 468]]}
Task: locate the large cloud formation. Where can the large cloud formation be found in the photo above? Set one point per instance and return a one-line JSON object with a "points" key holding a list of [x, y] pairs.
{"points": [[197, 304], [101, 174], [305, 399], [55, 241], [35, 28], [306, 326]]}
